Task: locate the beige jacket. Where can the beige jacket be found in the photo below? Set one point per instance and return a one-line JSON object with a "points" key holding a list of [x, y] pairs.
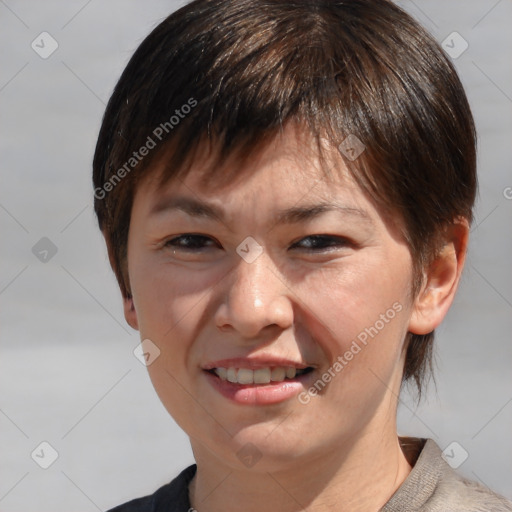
{"points": [[433, 486]]}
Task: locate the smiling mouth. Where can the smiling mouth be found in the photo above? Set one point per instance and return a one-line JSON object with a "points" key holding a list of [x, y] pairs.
{"points": [[260, 375]]}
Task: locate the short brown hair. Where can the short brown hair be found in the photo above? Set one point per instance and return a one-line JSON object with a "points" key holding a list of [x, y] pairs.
{"points": [[245, 68]]}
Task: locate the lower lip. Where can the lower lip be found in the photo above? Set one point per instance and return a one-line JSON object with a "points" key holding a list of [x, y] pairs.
{"points": [[259, 394]]}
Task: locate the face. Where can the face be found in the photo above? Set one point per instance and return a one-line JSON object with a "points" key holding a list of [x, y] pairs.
{"points": [[279, 303]]}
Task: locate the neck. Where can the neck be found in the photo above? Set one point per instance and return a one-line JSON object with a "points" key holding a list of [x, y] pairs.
{"points": [[361, 476]]}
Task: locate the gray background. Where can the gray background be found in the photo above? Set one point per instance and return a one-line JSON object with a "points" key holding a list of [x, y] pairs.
{"points": [[68, 375]]}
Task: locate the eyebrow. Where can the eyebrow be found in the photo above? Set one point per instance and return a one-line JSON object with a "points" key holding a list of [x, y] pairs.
{"points": [[293, 215]]}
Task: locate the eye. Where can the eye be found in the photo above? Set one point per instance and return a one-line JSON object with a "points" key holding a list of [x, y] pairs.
{"points": [[190, 242], [319, 243]]}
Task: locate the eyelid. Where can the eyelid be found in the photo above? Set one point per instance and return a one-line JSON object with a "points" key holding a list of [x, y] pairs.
{"points": [[201, 236], [339, 241]]}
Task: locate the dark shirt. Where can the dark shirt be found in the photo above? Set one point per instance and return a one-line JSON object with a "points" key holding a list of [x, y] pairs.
{"points": [[172, 497]]}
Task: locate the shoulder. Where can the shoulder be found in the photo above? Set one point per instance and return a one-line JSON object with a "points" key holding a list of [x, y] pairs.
{"points": [[172, 497], [433, 486], [466, 495]]}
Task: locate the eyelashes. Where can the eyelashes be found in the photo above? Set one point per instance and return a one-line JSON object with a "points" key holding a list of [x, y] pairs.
{"points": [[322, 242], [191, 242]]}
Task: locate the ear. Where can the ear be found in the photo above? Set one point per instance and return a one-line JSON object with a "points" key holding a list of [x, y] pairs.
{"points": [[441, 280], [130, 313]]}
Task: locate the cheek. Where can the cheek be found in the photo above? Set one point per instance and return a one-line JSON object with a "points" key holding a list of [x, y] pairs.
{"points": [[170, 306], [171, 310], [360, 316], [361, 319], [167, 297], [352, 298]]}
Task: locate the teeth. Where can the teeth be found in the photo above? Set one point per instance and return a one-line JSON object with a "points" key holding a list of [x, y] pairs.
{"points": [[222, 373], [290, 372], [245, 376], [231, 375], [259, 376], [278, 373]]}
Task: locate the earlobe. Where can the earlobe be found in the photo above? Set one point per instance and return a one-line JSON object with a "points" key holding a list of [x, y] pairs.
{"points": [[441, 280], [130, 313]]}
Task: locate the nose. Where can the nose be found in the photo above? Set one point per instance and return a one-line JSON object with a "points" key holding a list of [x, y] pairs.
{"points": [[255, 298]]}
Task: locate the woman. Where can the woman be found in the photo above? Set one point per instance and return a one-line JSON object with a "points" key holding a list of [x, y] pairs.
{"points": [[286, 190]]}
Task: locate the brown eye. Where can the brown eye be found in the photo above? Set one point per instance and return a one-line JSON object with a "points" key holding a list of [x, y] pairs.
{"points": [[190, 242], [320, 243]]}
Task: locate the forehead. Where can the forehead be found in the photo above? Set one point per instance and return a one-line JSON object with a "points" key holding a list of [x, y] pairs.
{"points": [[290, 166], [293, 150]]}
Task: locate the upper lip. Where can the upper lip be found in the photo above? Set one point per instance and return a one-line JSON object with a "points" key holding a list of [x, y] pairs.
{"points": [[255, 363]]}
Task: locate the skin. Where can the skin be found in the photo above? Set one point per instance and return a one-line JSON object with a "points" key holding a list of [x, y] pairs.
{"points": [[200, 305]]}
